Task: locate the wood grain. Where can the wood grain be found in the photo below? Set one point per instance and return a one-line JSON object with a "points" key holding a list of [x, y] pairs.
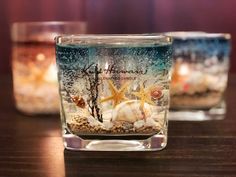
{"points": [[33, 147]]}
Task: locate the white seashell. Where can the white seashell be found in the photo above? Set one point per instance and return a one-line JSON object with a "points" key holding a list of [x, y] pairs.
{"points": [[130, 111], [150, 122], [139, 124], [93, 122], [107, 115], [216, 82], [107, 125]]}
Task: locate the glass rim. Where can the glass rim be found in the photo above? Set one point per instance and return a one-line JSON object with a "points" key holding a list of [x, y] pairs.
{"points": [[47, 30], [45, 23], [184, 35], [113, 39]]}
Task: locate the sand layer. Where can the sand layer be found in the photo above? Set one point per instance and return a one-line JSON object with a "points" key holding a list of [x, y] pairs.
{"points": [[81, 126], [204, 100]]}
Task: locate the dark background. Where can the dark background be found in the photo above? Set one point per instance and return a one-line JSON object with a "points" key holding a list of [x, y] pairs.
{"points": [[121, 16]]}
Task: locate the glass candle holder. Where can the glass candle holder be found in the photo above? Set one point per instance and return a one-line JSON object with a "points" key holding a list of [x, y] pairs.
{"points": [[114, 91], [200, 73], [34, 65]]}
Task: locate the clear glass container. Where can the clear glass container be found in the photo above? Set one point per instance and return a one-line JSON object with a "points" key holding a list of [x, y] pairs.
{"points": [[200, 74], [114, 91], [34, 67]]}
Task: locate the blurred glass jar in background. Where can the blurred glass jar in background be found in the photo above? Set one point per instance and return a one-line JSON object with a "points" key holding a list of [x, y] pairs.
{"points": [[199, 75], [33, 64]]}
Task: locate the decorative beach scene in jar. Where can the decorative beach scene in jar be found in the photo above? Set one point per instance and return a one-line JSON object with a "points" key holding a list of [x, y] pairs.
{"points": [[200, 72], [114, 91], [34, 65]]}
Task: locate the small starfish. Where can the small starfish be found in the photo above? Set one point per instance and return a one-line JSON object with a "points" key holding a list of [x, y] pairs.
{"points": [[117, 95], [144, 95]]}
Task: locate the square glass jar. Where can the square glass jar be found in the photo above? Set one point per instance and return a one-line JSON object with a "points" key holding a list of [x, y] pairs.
{"points": [[200, 74], [114, 91], [34, 64]]}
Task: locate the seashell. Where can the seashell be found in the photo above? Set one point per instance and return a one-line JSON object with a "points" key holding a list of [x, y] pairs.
{"points": [[79, 101], [156, 92], [130, 111], [93, 122], [107, 115], [139, 124], [151, 122]]}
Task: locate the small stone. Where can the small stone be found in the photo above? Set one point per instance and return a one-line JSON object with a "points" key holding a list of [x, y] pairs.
{"points": [[139, 124], [150, 122]]}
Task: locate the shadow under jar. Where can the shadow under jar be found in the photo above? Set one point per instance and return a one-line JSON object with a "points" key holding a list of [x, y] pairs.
{"points": [[114, 91], [200, 74]]}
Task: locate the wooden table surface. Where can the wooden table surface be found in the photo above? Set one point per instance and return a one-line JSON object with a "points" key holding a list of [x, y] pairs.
{"points": [[32, 147]]}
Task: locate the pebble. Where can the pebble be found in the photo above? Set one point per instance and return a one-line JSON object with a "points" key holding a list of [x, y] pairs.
{"points": [[139, 124]]}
